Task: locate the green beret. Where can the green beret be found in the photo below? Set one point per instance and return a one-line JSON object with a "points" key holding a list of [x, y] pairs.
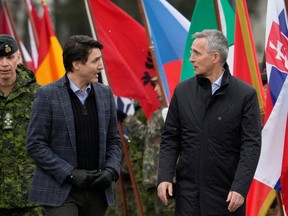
{"points": [[8, 45]]}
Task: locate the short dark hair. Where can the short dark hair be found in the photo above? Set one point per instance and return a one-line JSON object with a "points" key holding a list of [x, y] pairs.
{"points": [[77, 48]]}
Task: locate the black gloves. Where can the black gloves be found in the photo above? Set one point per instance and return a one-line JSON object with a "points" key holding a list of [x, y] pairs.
{"points": [[121, 116], [81, 178], [104, 179]]}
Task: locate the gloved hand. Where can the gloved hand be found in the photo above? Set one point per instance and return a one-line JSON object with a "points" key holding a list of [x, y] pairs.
{"points": [[121, 115], [103, 179], [81, 178]]}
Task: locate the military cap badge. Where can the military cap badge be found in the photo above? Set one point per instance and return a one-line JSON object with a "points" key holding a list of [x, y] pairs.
{"points": [[8, 45], [7, 48]]}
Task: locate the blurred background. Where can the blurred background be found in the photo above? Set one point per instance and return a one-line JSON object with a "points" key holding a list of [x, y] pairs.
{"points": [[69, 17]]}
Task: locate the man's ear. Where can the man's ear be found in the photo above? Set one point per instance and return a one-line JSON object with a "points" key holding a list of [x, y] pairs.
{"points": [[75, 65], [216, 57], [19, 57]]}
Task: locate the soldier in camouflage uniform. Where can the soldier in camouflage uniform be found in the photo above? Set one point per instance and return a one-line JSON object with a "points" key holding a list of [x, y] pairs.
{"points": [[150, 134], [17, 89]]}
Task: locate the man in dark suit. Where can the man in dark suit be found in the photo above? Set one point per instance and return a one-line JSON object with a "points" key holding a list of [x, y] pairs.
{"points": [[212, 135], [73, 136]]}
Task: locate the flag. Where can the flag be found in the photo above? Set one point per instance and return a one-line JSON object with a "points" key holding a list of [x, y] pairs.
{"points": [[125, 105], [34, 23], [5, 23], [271, 172], [168, 30], [35, 16], [6, 27], [50, 65], [246, 68], [205, 17], [245, 60], [128, 62]]}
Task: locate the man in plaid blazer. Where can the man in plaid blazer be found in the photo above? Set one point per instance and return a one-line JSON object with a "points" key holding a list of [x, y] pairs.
{"points": [[73, 136]]}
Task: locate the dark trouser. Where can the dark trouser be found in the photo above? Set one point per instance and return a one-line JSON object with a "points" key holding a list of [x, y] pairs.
{"points": [[28, 211], [81, 203]]}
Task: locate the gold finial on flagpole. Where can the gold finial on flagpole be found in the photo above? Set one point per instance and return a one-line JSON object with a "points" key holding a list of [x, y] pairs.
{"points": [[44, 3]]}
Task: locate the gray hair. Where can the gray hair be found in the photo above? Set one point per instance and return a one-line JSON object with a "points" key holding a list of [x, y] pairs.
{"points": [[216, 42]]}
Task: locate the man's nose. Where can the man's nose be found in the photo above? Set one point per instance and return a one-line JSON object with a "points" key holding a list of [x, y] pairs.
{"points": [[3, 62], [192, 58], [100, 65]]}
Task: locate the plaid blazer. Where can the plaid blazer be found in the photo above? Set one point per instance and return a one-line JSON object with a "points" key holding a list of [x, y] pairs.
{"points": [[51, 141]]}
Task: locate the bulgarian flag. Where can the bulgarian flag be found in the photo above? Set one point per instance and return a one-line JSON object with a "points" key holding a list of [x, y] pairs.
{"points": [[205, 16], [50, 65]]}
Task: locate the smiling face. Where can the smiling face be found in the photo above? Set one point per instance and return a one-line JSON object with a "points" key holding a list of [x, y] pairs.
{"points": [[8, 65], [203, 61], [87, 72]]}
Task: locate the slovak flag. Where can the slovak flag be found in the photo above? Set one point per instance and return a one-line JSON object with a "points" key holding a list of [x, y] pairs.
{"points": [[272, 170]]}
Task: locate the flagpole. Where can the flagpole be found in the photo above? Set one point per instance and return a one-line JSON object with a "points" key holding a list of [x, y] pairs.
{"points": [[124, 144], [217, 15], [6, 6], [151, 48], [32, 22], [123, 195], [105, 78], [286, 6], [280, 203], [130, 169]]}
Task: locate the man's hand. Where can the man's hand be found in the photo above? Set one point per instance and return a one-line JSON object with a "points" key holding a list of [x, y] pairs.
{"points": [[162, 188], [236, 200], [81, 178], [103, 179]]}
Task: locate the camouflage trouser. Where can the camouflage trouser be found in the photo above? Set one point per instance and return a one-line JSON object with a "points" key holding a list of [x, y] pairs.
{"points": [[29, 211]]}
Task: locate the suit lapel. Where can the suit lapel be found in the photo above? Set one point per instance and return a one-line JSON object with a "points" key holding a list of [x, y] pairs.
{"points": [[64, 100], [101, 119]]}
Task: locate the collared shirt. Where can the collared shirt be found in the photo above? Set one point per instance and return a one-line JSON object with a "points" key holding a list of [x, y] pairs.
{"points": [[216, 85], [80, 94]]}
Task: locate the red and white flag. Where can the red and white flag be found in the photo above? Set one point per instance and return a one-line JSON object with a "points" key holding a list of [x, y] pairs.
{"points": [[272, 170]]}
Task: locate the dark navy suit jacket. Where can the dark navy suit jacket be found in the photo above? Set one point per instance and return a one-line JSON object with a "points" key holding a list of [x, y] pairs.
{"points": [[51, 141]]}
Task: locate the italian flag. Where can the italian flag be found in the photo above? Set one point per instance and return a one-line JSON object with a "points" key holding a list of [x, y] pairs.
{"points": [[205, 15]]}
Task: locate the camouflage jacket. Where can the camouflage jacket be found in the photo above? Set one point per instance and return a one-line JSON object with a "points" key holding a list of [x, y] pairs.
{"points": [[150, 134], [16, 168]]}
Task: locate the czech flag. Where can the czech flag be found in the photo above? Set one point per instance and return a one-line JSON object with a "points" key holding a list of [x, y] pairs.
{"points": [[168, 30]]}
